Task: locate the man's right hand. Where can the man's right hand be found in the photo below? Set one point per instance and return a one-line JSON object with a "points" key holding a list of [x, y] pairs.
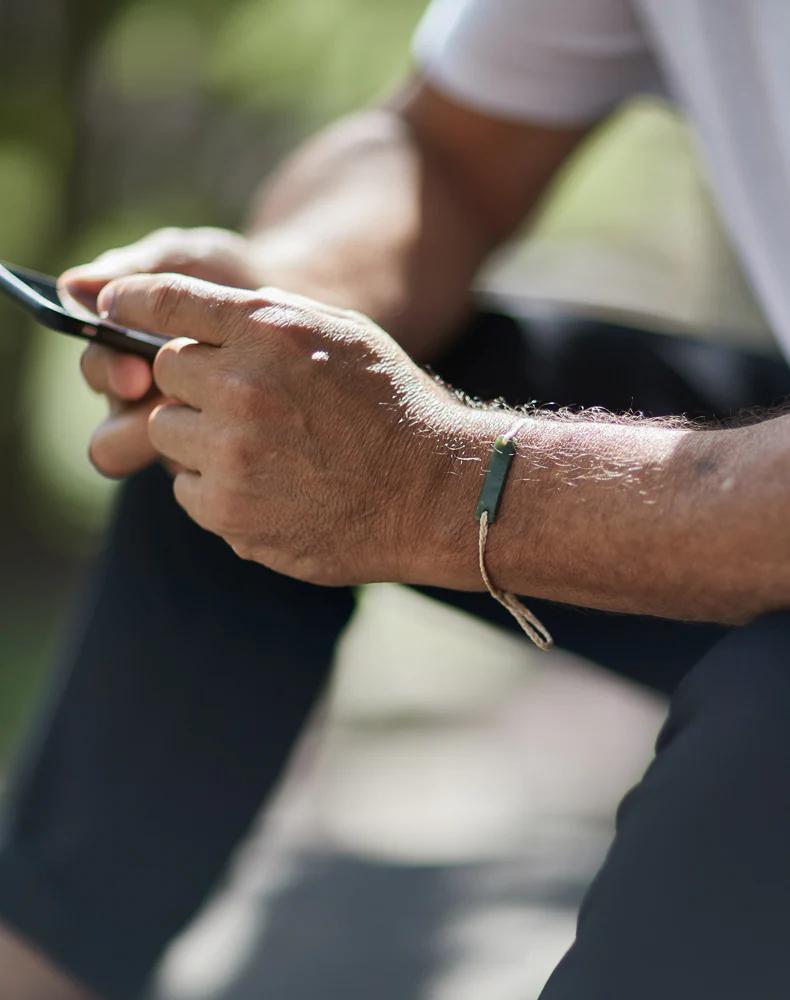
{"points": [[120, 444]]}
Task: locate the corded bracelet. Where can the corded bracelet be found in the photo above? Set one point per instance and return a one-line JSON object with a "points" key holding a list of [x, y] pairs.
{"points": [[490, 495]]}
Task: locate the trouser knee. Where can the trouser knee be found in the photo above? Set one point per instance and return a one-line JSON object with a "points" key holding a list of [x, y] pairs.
{"points": [[742, 687]]}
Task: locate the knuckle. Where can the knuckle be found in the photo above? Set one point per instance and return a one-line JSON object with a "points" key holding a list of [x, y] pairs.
{"points": [[268, 308], [167, 250], [243, 392], [166, 235], [220, 510], [108, 256], [237, 452], [231, 313], [267, 295], [167, 295]]}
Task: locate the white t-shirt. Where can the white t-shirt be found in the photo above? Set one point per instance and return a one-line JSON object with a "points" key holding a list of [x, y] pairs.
{"points": [[726, 62]]}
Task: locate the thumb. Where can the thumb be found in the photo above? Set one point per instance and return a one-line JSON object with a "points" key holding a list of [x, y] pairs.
{"points": [[81, 288]]}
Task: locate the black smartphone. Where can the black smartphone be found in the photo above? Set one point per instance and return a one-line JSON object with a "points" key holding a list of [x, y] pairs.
{"points": [[38, 293]]}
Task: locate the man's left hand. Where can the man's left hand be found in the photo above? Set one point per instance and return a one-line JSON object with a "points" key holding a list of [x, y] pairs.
{"points": [[303, 435]]}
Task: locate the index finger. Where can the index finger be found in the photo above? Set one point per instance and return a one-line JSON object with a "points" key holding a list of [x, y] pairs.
{"points": [[174, 305]]}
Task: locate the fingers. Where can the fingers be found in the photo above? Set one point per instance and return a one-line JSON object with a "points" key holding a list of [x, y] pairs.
{"points": [[174, 305], [120, 446], [162, 250], [177, 433], [124, 376], [82, 284], [182, 370], [79, 294], [208, 253]]}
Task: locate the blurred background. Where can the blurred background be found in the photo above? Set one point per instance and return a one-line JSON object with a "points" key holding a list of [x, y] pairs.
{"points": [[120, 117], [117, 118]]}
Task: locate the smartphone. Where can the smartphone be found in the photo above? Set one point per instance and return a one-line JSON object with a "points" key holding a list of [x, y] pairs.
{"points": [[38, 293]]}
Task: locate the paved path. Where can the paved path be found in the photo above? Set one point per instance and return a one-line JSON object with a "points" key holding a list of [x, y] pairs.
{"points": [[438, 827]]}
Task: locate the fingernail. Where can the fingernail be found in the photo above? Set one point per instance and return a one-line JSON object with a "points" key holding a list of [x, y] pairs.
{"points": [[105, 302]]}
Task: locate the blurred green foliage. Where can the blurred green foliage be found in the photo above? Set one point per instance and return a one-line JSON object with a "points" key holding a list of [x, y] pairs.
{"points": [[155, 48], [116, 118], [316, 56], [121, 116]]}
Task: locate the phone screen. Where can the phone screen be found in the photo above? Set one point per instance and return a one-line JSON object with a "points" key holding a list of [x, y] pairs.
{"points": [[46, 287]]}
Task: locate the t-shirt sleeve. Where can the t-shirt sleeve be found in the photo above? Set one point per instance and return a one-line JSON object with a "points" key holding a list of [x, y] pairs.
{"points": [[555, 61]]}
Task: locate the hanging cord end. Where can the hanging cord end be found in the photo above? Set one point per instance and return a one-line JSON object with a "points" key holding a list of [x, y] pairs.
{"points": [[530, 624]]}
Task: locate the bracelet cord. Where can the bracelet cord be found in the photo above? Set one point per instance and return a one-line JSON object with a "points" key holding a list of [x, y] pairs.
{"points": [[490, 495]]}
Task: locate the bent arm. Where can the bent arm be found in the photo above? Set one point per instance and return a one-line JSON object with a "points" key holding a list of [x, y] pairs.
{"points": [[624, 515], [385, 467], [391, 211]]}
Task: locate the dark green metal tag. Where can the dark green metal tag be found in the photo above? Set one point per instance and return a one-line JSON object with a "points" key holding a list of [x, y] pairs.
{"points": [[496, 476]]}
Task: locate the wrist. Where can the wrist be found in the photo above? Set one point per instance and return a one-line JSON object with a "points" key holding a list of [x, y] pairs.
{"points": [[438, 536]]}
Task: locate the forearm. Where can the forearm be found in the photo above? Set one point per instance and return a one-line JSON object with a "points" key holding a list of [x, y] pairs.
{"points": [[625, 516], [391, 211], [315, 446], [362, 218]]}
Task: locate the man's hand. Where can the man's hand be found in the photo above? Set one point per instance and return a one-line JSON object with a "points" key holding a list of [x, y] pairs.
{"points": [[312, 443], [406, 203], [308, 439], [120, 444]]}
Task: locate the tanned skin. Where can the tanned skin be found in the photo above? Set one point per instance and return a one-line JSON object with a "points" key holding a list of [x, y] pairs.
{"points": [[390, 213]]}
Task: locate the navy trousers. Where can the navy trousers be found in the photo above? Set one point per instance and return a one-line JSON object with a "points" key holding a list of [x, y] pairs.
{"points": [[191, 673]]}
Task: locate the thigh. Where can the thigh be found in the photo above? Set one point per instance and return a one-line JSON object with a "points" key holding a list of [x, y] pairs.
{"points": [[694, 898], [555, 359], [180, 698]]}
